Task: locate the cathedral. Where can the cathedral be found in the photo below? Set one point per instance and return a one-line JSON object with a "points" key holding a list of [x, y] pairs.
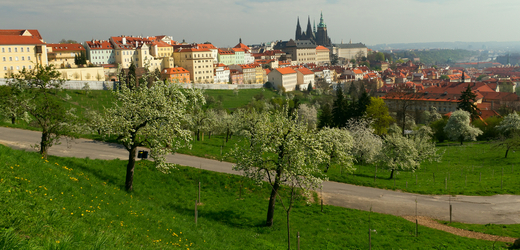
{"points": [[318, 37]]}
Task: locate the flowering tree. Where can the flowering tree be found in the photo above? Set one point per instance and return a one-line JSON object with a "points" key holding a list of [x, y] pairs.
{"points": [[37, 96], [149, 117], [308, 114], [509, 128], [367, 145], [460, 128], [337, 144], [407, 152], [281, 150]]}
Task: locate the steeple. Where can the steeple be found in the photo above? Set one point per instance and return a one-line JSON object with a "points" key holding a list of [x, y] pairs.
{"points": [[314, 28], [322, 24], [298, 30], [309, 30]]}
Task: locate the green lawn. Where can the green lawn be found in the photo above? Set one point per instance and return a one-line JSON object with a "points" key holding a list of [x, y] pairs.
{"points": [[500, 230], [472, 169], [70, 203]]}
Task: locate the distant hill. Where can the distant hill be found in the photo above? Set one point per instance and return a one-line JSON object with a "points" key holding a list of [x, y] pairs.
{"points": [[436, 56], [506, 46]]}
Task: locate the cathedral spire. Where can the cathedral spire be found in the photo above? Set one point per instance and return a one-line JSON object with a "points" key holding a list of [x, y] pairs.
{"points": [[308, 33], [298, 30]]}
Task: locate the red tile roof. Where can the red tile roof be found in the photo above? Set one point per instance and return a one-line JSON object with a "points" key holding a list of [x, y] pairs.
{"points": [[305, 71], [65, 46], [285, 71], [96, 44], [242, 46], [173, 71], [321, 48], [19, 37]]}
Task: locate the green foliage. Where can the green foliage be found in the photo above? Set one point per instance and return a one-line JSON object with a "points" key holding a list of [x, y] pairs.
{"points": [[37, 95], [438, 129], [438, 56], [444, 77], [377, 112], [488, 127], [480, 77], [467, 102], [80, 59], [326, 118]]}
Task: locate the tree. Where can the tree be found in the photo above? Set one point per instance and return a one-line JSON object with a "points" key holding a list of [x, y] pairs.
{"points": [[80, 59], [309, 88], [339, 108], [403, 98], [467, 102], [367, 145], [150, 117], [11, 104], [308, 115], [510, 125], [38, 97], [337, 144], [508, 143], [334, 59], [444, 77], [480, 77], [377, 112], [438, 129], [67, 41], [280, 150], [380, 56], [326, 119], [408, 152], [459, 127]]}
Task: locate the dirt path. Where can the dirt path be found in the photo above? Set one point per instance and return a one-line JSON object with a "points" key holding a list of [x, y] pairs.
{"points": [[431, 223]]}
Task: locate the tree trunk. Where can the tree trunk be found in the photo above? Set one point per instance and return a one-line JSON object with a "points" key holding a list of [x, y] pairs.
{"points": [[13, 119], [130, 169], [327, 168], [392, 174], [288, 229], [461, 140], [44, 144], [209, 135], [227, 135], [198, 134], [507, 151], [272, 199]]}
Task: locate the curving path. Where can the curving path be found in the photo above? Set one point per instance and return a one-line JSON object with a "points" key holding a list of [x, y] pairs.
{"points": [[497, 209]]}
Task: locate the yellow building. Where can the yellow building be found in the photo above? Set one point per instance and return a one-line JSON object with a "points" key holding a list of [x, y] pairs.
{"points": [[322, 55], [199, 62], [21, 49], [62, 55], [130, 49]]}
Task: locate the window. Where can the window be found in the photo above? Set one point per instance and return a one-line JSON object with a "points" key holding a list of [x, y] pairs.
{"points": [[17, 67], [5, 68], [29, 66], [28, 50], [16, 58], [3, 59], [11, 67], [23, 58], [9, 49], [3, 50], [21, 49], [10, 59]]}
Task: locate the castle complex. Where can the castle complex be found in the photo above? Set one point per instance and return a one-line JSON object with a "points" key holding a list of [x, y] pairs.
{"points": [[318, 37]]}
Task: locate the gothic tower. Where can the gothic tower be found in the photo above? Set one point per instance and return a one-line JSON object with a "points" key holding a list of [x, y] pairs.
{"points": [[298, 30], [322, 37], [309, 35]]}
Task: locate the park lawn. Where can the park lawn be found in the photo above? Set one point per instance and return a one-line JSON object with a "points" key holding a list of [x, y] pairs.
{"points": [[471, 169], [232, 100], [512, 230], [70, 203]]}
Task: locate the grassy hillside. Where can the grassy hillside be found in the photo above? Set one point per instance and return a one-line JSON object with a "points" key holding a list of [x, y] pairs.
{"points": [[69, 203]]}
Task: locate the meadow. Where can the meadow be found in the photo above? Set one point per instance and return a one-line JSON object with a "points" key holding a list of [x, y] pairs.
{"points": [[70, 203]]}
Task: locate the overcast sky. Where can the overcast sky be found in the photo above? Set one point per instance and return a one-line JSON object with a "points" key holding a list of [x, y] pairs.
{"points": [[223, 22]]}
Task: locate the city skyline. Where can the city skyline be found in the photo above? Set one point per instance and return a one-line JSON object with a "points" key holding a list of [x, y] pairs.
{"points": [[223, 23]]}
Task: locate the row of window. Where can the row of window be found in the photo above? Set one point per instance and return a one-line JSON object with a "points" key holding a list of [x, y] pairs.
{"points": [[102, 57], [17, 67], [4, 59], [28, 49], [101, 51], [135, 52]]}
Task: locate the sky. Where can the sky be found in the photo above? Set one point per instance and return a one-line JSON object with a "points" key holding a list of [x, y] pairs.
{"points": [[223, 22]]}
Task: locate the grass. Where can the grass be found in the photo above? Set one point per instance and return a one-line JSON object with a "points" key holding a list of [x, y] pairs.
{"points": [[70, 203], [231, 101], [493, 229], [471, 169]]}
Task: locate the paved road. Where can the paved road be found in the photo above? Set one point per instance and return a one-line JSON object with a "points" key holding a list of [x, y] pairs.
{"points": [[498, 209]]}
